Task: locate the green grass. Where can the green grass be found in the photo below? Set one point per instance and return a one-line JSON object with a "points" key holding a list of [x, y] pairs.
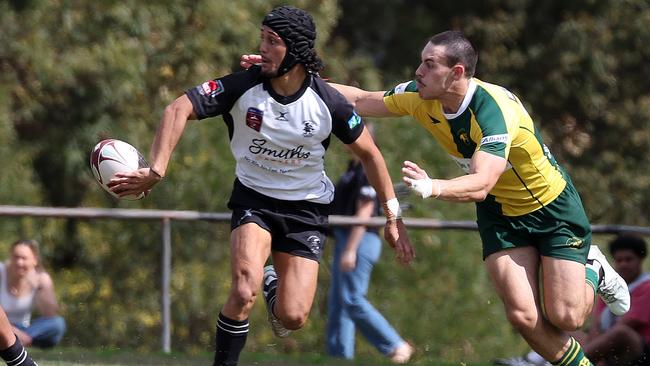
{"points": [[119, 357]]}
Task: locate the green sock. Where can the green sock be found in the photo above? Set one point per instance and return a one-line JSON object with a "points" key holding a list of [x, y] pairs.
{"points": [[592, 278], [574, 356]]}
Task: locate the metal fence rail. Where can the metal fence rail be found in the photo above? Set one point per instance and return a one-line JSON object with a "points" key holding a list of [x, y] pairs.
{"points": [[166, 216]]}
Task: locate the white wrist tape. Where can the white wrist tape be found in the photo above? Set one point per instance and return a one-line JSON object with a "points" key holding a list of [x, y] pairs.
{"points": [[392, 209], [423, 187], [427, 187]]}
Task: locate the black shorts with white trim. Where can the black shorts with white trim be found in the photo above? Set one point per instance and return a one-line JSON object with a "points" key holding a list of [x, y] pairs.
{"points": [[299, 228]]}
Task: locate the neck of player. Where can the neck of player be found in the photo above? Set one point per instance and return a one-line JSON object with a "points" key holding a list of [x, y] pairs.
{"points": [[289, 83], [453, 98]]}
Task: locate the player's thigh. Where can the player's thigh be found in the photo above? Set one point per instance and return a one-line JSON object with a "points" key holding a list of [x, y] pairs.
{"points": [[565, 288], [250, 248], [561, 228], [297, 285], [514, 274]]}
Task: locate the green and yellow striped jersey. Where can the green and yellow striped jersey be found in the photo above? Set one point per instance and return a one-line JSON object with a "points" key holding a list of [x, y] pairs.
{"points": [[493, 120]]}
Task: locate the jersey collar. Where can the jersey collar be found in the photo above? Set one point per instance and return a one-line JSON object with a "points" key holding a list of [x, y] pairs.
{"points": [[468, 98], [291, 98]]}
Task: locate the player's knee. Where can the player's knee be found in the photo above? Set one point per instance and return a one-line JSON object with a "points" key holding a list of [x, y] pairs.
{"points": [[524, 321], [567, 321], [243, 295], [295, 319], [565, 317]]}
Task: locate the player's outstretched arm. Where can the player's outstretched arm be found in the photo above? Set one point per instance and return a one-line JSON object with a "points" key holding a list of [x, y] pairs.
{"points": [[169, 132], [377, 173], [366, 103], [484, 173]]}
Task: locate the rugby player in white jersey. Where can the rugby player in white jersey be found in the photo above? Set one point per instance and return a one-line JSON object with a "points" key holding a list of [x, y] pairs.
{"points": [[280, 117]]}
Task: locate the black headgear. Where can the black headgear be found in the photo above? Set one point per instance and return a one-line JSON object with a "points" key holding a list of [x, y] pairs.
{"points": [[298, 31]]}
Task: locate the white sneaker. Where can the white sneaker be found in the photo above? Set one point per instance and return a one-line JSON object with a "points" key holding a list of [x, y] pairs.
{"points": [[612, 287], [270, 283]]}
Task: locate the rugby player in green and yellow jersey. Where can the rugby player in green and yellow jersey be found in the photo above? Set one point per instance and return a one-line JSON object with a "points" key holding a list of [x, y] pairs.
{"points": [[529, 214]]}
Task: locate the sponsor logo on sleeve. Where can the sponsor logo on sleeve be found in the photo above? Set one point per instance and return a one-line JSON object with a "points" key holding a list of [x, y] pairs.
{"points": [[211, 88], [401, 88], [494, 139], [354, 120], [254, 118]]}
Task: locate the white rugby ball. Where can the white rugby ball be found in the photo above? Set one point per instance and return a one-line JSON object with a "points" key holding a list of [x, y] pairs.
{"points": [[111, 156]]}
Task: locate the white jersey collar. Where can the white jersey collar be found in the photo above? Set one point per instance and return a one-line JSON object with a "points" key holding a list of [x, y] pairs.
{"points": [[468, 98]]}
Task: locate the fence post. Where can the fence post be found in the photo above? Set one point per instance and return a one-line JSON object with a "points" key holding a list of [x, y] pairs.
{"points": [[165, 283]]}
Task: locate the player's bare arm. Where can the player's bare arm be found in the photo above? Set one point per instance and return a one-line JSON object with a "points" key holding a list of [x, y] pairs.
{"points": [[377, 173], [365, 209], [170, 130], [366, 103], [484, 173]]}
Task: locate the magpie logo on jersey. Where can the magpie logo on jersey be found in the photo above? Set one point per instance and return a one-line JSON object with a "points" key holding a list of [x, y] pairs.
{"points": [[254, 118], [308, 128], [282, 116], [211, 88], [463, 136]]}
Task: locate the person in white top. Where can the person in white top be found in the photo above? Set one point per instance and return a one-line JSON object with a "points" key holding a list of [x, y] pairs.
{"points": [[281, 117], [25, 287]]}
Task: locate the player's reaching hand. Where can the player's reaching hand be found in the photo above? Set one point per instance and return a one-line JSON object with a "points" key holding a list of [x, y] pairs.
{"points": [[246, 61], [418, 180]]}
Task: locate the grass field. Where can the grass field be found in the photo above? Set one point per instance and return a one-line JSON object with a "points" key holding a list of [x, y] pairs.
{"points": [[81, 357]]}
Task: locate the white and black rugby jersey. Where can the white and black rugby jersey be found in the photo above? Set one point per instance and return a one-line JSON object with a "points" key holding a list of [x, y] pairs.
{"points": [[279, 142]]}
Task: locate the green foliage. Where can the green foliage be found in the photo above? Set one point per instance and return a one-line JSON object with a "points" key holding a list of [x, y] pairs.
{"points": [[75, 72]]}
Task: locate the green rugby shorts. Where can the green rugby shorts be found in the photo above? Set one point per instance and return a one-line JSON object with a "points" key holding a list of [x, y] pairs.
{"points": [[558, 230]]}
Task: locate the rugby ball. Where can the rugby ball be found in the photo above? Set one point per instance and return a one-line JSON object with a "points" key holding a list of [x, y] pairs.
{"points": [[111, 156]]}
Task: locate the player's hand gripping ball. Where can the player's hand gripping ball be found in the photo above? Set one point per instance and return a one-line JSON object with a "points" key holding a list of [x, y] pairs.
{"points": [[111, 156]]}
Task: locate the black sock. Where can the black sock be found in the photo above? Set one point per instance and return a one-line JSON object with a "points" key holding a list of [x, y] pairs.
{"points": [[231, 338], [16, 355]]}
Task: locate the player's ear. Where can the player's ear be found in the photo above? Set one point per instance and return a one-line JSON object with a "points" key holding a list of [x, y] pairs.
{"points": [[459, 71]]}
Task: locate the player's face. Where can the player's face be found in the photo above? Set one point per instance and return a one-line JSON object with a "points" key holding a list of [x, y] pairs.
{"points": [[23, 259], [627, 264], [272, 50], [433, 76]]}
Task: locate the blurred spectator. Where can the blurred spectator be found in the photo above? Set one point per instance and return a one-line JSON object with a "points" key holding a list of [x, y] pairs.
{"points": [[25, 286], [615, 340], [356, 251]]}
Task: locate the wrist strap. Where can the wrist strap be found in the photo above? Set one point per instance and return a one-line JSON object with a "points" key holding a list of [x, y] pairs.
{"points": [[392, 209], [436, 188]]}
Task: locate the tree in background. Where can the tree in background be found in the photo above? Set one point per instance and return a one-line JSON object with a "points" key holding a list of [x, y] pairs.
{"points": [[75, 72]]}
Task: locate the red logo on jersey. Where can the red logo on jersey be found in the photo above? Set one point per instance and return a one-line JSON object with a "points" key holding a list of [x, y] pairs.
{"points": [[211, 88], [254, 118]]}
